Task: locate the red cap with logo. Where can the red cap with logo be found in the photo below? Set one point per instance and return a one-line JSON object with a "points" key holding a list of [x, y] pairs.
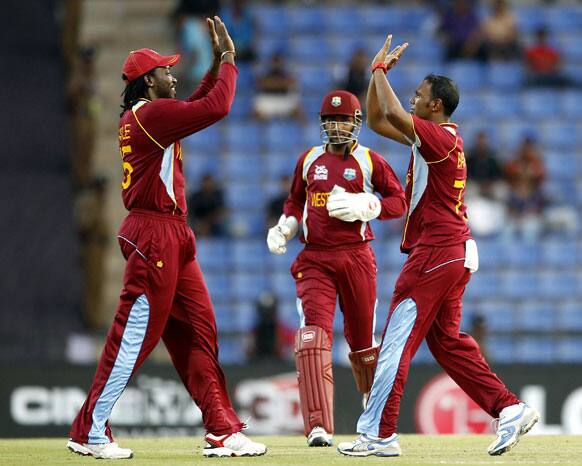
{"points": [[340, 103], [139, 62]]}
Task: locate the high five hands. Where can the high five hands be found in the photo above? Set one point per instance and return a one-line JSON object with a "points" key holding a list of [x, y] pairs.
{"points": [[222, 44], [389, 59]]}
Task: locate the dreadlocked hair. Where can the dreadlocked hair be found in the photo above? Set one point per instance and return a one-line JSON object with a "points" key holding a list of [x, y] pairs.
{"points": [[135, 90]]}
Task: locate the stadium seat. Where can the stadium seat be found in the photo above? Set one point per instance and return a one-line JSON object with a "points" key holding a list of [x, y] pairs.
{"points": [[570, 104], [344, 20], [307, 21], [483, 285], [499, 349], [513, 132], [247, 223], [530, 18], [569, 350], [277, 164], [248, 255], [241, 165], [272, 20], [212, 253], [556, 253], [521, 255], [233, 349], [207, 141], [503, 77], [535, 349], [309, 49], [284, 284], [540, 104], [501, 105], [315, 80], [559, 284], [561, 136], [283, 136], [470, 106], [244, 196], [244, 315], [565, 19], [242, 135], [218, 284], [570, 48], [536, 317], [569, 317], [247, 286], [519, 283], [469, 75], [499, 316], [242, 107]]}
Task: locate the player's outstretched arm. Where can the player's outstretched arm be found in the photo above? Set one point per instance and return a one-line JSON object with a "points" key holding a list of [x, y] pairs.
{"points": [[389, 104], [376, 120]]}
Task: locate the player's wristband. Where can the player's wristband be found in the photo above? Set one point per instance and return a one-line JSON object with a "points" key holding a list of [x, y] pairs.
{"points": [[380, 66], [222, 55]]}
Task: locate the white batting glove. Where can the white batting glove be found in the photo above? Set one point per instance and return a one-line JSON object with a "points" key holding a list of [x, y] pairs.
{"points": [[281, 233], [350, 207]]}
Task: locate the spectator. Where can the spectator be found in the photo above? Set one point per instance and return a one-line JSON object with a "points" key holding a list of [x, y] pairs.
{"points": [[543, 61], [459, 30], [83, 106], [93, 234], [239, 21], [265, 344], [358, 75], [525, 175], [484, 171], [192, 36], [206, 208], [499, 33], [275, 205], [277, 95]]}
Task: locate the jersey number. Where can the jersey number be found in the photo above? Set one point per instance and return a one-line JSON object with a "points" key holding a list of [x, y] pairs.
{"points": [[127, 168], [460, 185]]}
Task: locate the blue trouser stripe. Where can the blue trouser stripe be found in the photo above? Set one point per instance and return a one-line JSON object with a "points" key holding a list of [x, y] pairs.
{"points": [[131, 342], [299, 305], [397, 333]]}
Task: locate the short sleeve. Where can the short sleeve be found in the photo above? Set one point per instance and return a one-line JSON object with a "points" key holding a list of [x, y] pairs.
{"points": [[434, 142]]}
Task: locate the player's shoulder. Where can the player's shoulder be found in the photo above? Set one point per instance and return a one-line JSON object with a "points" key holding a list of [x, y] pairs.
{"points": [[313, 151]]}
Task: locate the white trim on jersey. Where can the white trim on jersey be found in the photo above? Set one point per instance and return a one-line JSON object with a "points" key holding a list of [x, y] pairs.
{"points": [[167, 171]]}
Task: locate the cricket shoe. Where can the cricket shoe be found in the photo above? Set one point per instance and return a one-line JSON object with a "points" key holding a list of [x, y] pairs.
{"points": [[318, 437], [367, 445], [106, 451], [514, 421], [237, 444]]}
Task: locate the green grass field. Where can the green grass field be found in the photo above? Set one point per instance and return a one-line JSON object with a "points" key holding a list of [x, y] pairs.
{"points": [[287, 450]]}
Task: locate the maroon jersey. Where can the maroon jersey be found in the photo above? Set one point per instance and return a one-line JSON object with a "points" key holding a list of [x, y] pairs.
{"points": [[317, 172], [149, 142], [435, 187]]}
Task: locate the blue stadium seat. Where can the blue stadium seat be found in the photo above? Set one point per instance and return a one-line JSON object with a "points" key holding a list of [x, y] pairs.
{"points": [[311, 132], [559, 285], [501, 105], [470, 106], [558, 254], [529, 18], [247, 286], [490, 250], [504, 76], [500, 349], [560, 191], [242, 106], [570, 48], [560, 135], [569, 350], [272, 20], [392, 258], [212, 253], [522, 255], [232, 350], [224, 318], [513, 132], [310, 20], [284, 284], [288, 313], [343, 47], [378, 19], [540, 104], [483, 285], [267, 48], [242, 165], [535, 349], [208, 140], [247, 223], [499, 316], [277, 164], [244, 196], [537, 317], [344, 20], [570, 103], [519, 284], [197, 165], [218, 284], [248, 255], [315, 79], [570, 316], [469, 75], [429, 52], [565, 19], [244, 315], [283, 136], [241, 136], [309, 49]]}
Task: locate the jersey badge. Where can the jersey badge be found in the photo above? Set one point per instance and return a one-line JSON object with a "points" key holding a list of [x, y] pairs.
{"points": [[350, 174], [320, 172], [336, 101]]}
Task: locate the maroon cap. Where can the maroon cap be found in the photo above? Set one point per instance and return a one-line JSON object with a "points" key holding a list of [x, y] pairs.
{"points": [[139, 62], [340, 103]]}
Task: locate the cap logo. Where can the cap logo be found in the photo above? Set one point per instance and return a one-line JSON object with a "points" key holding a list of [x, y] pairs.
{"points": [[308, 336], [336, 101]]}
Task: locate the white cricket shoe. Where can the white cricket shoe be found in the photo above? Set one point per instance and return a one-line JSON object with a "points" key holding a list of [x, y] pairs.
{"points": [[318, 437], [367, 445], [237, 444], [107, 451], [514, 421]]}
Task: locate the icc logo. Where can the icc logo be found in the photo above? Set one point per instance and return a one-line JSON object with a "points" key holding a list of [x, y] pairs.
{"points": [[320, 172]]}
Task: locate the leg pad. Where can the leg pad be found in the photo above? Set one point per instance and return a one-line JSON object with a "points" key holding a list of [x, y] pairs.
{"points": [[364, 364]]}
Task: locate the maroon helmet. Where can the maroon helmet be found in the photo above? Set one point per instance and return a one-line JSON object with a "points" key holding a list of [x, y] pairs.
{"points": [[340, 102]]}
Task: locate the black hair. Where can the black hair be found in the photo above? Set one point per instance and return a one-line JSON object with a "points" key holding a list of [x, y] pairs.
{"points": [[445, 89], [135, 90]]}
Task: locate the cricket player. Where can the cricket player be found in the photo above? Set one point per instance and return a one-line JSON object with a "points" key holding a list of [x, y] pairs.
{"points": [[164, 294], [332, 197], [428, 294]]}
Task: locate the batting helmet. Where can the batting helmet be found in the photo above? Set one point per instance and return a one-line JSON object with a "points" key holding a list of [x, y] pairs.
{"points": [[339, 102]]}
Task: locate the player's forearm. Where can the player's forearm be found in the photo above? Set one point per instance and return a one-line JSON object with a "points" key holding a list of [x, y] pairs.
{"points": [[373, 112], [392, 207], [391, 107]]}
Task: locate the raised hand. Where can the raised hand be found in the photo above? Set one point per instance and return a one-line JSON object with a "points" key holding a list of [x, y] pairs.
{"points": [[225, 43], [389, 59], [213, 39]]}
